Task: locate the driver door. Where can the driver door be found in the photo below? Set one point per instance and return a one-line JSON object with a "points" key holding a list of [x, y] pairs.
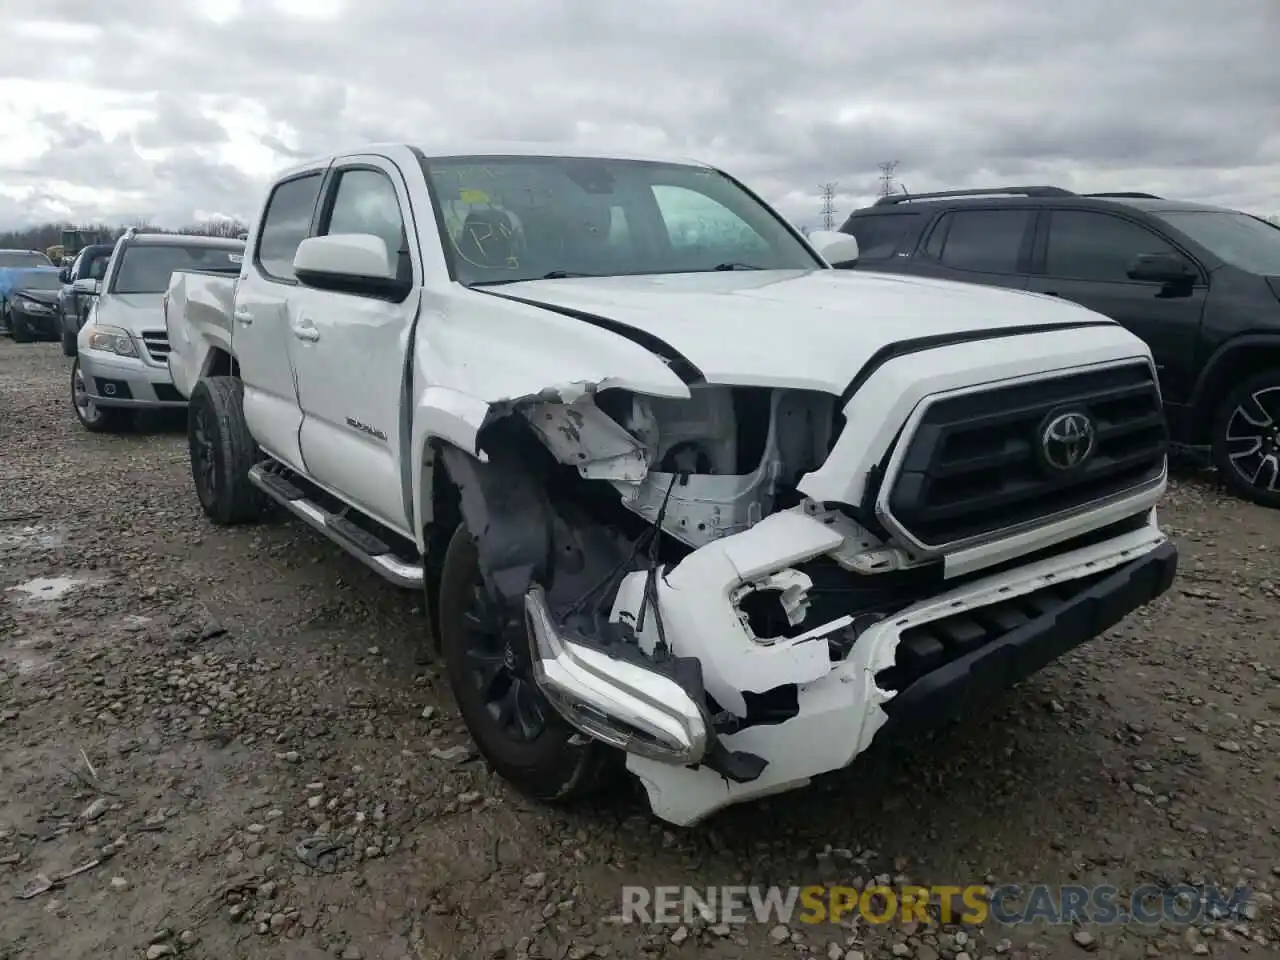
{"points": [[349, 350]]}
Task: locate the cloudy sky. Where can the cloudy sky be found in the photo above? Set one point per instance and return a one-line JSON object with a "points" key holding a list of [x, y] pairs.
{"points": [[178, 110]]}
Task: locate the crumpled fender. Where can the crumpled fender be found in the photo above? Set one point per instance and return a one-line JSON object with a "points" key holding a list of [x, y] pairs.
{"points": [[477, 356]]}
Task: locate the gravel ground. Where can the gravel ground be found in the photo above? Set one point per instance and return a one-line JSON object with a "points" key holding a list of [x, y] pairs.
{"points": [[181, 706]]}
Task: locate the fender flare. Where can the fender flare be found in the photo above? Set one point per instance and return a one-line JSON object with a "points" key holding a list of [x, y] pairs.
{"points": [[1221, 355]]}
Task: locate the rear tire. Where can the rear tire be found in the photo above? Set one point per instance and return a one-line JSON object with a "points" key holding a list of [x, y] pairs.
{"points": [[92, 417], [554, 764], [1246, 439], [222, 451]]}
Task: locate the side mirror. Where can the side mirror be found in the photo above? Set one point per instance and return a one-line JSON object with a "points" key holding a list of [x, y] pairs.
{"points": [[357, 263], [1161, 268], [87, 285], [838, 249], [64, 275]]}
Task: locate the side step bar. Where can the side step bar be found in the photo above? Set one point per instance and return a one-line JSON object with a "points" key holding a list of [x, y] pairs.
{"points": [[361, 544]]}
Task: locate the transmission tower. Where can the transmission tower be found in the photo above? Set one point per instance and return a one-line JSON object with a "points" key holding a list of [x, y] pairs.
{"points": [[886, 177], [828, 206]]}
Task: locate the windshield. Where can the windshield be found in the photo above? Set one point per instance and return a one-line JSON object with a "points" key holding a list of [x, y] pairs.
{"points": [[1243, 241], [145, 268], [22, 258], [523, 218], [38, 280]]}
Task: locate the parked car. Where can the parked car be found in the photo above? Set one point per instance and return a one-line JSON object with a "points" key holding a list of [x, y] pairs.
{"points": [[691, 506], [29, 306], [74, 301], [1200, 284], [122, 350]]}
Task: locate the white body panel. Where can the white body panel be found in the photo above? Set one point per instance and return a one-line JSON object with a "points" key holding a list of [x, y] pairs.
{"points": [[198, 320]]}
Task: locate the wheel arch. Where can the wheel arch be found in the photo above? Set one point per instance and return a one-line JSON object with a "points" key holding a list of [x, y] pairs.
{"points": [[1240, 357]]}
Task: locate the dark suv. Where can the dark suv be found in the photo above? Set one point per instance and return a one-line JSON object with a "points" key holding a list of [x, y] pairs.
{"points": [[73, 305], [1200, 284]]}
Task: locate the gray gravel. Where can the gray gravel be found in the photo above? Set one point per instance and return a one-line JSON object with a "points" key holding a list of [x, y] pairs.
{"points": [[226, 734]]}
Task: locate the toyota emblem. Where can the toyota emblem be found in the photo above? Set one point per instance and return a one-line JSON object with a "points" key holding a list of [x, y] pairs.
{"points": [[1067, 440]]}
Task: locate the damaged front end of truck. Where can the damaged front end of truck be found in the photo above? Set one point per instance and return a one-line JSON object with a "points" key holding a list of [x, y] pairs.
{"points": [[703, 588]]}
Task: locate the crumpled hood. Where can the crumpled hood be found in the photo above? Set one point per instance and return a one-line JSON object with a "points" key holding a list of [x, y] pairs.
{"points": [[134, 312], [813, 329], [40, 296]]}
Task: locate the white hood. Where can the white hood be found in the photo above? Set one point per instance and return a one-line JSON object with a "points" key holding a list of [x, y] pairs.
{"points": [[805, 329], [134, 312]]}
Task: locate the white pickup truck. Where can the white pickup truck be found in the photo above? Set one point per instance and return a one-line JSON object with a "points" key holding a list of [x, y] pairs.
{"points": [[682, 497]]}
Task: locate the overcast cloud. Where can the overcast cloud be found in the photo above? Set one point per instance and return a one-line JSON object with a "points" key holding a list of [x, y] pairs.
{"points": [[182, 109]]}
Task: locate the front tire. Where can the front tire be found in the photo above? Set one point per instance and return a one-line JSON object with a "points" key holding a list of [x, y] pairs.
{"points": [[92, 417], [1246, 439], [19, 330], [222, 451], [514, 727]]}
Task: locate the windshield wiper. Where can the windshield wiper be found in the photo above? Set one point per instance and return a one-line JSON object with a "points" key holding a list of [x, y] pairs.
{"points": [[736, 266], [553, 275]]}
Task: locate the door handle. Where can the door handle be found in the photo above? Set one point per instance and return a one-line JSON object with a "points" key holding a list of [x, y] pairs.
{"points": [[243, 315], [306, 331]]}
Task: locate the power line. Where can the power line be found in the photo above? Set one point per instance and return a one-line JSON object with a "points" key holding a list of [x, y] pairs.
{"points": [[828, 205], [886, 177]]}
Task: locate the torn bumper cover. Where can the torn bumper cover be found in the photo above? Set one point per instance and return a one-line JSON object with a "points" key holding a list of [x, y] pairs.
{"points": [[840, 706]]}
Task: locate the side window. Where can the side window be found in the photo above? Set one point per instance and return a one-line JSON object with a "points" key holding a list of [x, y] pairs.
{"points": [[366, 202], [1096, 246], [986, 241], [286, 223], [76, 266], [694, 220], [98, 266], [880, 235]]}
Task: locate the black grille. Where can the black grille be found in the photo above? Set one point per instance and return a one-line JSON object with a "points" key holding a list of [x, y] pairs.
{"points": [[974, 464], [926, 648]]}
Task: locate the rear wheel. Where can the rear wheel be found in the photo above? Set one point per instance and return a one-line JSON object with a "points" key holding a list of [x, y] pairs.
{"points": [[222, 451], [488, 663], [1246, 439], [92, 417]]}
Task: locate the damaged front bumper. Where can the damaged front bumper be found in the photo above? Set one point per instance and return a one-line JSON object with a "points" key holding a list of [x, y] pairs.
{"points": [[1025, 618]]}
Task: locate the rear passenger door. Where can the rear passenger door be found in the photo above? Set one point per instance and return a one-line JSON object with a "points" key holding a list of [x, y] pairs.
{"points": [[1085, 255], [261, 337], [989, 246]]}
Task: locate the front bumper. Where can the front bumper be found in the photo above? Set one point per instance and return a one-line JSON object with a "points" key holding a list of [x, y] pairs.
{"points": [[115, 381], [841, 705], [40, 324]]}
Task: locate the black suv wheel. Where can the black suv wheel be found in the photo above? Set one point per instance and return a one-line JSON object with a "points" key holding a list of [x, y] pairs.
{"points": [[1246, 439]]}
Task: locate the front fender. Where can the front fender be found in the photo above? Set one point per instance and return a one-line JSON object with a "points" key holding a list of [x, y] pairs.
{"points": [[476, 357]]}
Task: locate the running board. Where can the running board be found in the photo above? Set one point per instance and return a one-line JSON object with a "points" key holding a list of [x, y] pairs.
{"points": [[361, 544]]}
